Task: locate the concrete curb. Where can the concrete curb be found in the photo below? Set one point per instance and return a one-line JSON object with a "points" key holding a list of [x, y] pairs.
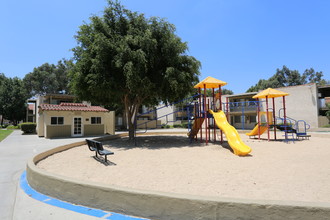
{"points": [[158, 205]]}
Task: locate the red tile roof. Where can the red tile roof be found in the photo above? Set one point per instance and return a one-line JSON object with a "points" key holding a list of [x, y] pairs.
{"points": [[72, 107]]}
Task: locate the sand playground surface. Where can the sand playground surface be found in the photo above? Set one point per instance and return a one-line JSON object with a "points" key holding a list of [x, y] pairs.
{"points": [[275, 170]]}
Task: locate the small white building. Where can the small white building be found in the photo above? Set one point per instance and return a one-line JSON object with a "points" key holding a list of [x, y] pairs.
{"points": [[74, 120], [58, 116]]}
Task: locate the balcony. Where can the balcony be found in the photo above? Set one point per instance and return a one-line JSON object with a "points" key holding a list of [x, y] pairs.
{"points": [[249, 106]]}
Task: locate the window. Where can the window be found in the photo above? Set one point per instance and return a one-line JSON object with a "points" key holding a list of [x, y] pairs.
{"points": [[253, 119], [237, 119], [57, 120], [96, 120]]}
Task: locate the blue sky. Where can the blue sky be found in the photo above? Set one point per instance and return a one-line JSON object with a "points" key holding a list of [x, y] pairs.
{"points": [[237, 41]]}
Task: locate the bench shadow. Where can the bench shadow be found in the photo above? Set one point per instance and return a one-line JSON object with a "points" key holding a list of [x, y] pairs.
{"points": [[102, 161]]}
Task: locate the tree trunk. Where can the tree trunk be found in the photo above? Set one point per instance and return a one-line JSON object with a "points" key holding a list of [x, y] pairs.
{"points": [[125, 120], [131, 130], [131, 109]]}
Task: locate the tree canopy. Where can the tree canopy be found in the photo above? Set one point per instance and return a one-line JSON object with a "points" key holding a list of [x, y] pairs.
{"points": [[48, 78], [125, 58], [223, 92], [286, 77], [12, 99]]}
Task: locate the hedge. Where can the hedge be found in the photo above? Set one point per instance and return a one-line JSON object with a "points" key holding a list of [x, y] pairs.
{"points": [[28, 127]]}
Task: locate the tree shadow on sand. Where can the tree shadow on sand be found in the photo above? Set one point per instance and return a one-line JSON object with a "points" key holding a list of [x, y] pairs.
{"points": [[158, 142]]}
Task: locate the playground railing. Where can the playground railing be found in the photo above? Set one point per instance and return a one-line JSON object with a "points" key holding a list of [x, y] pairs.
{"points": [[241, 106], [187, 105]]}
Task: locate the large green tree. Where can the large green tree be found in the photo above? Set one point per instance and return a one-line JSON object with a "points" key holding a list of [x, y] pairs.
{"points": [[2, 82], [13, 99], [286, 77], [48, 78], [124, 58], [223, 92]]}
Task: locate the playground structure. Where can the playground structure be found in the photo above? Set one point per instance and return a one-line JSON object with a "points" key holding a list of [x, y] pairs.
{"points": [[289, 125], [205, 110], [211, 109], [204, 114]]}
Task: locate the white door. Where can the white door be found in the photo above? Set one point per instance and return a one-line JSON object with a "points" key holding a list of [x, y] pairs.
{"points": [[77, 127]]}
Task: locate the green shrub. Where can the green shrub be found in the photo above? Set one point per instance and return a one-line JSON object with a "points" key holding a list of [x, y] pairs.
{"points": [[185, 125], [28, 127], [177, 126], [165, 126], [4, 125], [13, 127]]}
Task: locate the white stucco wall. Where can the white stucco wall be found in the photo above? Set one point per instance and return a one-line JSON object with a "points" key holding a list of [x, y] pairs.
{"points": [[109, 122], [301, 103], [44, 120], [164, 111]]}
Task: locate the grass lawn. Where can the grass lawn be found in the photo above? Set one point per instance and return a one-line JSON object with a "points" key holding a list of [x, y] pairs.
{"points": [[4, 134]]}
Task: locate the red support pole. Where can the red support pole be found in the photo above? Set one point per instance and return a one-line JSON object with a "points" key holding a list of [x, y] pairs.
{"points": [[227, 108], [220, 99], [213, 100], [195, 117], [200, 114], [208, 120], [267, 117], [258, 114], [214, 126], [205, 115], [286, 134], [220, 94], [274, 119]]}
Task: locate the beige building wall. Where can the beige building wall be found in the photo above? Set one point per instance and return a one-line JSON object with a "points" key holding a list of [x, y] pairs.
{"points": [[47, 130], [40, 125], [323, 121], [109, 122], [142, 124], [166, 111], [301, 104]]}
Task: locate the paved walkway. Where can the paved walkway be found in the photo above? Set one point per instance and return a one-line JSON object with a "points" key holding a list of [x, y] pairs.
{"points": [[15, 151]]}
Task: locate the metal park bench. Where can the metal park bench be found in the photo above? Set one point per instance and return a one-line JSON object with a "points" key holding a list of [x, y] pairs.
{"points": [[98, 148]]}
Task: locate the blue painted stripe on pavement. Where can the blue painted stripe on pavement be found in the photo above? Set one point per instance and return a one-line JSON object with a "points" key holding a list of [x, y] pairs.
{"points": [[65, 205]]}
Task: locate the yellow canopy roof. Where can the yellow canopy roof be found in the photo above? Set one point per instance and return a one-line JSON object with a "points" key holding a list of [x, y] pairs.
{"points": [[210, 83], [270, 93]]}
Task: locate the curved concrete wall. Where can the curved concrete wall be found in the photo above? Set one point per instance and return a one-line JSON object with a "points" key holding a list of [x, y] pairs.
{"points": [[158, 205]]}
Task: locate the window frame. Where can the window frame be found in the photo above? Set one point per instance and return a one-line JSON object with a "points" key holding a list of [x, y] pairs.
{"points": [[253, 119], [57, 121], [238, 119], [96, 120]]}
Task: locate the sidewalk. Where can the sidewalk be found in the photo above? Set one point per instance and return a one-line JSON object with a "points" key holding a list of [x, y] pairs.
{"points": [[15, 151]]}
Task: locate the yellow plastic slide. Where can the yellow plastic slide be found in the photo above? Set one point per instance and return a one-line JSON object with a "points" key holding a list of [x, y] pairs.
{"points": [[256, 129], [262, 128], [231, 133]]}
